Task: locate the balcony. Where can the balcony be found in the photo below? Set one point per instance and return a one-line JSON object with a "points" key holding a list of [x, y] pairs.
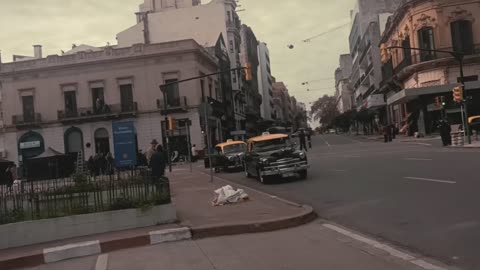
{"points": [[176, 105], [89, 114], [27, 120]]}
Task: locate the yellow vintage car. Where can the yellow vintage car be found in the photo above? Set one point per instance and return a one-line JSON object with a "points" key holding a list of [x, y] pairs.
{"points": [[229, 155]]}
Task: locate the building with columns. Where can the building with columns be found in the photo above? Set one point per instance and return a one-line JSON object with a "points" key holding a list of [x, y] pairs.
{"points": [[70, 103]]}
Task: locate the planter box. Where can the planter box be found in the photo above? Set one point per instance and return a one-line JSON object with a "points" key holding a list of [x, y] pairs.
{"points": [[46, 230]]}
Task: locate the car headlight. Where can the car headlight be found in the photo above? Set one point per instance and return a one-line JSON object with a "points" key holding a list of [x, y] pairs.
{"points": [[231, 158], [302, 155], [264, 161]]}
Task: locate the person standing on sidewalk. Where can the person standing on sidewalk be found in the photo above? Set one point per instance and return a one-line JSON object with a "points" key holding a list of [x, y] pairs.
{"points": [[445, 131], [151, 151]]}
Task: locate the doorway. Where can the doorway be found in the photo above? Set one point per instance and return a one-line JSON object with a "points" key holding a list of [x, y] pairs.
{"points": [[102, 141]]}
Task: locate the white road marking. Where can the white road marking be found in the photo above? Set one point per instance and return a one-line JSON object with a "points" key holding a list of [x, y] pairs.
{"points": [[418, 159], [390, 250], [431, 180], [321, 137], [102, 262], [419, 143]]}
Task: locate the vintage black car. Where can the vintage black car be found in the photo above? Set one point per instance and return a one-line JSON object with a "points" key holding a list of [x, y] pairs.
{"points": [[273, 156], [228, 156]]}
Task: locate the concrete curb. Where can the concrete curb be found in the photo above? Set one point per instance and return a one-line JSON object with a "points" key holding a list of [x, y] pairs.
{"points": [[307, 215], [77, 250]]}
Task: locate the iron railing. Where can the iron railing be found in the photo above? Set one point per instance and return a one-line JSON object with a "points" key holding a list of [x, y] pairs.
{"points": [[81, 194]]}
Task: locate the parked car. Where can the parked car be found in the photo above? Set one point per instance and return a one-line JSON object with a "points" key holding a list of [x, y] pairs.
{"points": [[228, 156], [274, 156]]}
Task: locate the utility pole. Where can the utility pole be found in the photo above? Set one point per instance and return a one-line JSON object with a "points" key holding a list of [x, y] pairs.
{"points": [[207, 133]]}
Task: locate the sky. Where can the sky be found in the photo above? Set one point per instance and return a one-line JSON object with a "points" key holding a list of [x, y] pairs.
{"points": [[57, 24]]}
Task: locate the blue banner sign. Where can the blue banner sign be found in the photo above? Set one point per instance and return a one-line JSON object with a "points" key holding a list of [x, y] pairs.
{"points": [[125, 145]]}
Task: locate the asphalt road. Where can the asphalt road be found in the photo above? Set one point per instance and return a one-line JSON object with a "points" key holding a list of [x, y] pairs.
{"points": [[423, 198]]}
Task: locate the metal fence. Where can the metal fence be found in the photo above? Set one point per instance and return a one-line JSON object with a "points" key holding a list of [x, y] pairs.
{"points": [[81, 194]]}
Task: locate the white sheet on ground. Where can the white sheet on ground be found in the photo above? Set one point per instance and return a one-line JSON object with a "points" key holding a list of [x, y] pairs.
{"points": [[228, 195]]}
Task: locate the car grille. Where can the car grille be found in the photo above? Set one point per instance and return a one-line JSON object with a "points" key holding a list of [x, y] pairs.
{"points": [[285, 161]]}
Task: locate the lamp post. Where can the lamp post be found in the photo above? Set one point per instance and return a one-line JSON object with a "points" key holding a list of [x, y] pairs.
{"points": [[459, 56]]}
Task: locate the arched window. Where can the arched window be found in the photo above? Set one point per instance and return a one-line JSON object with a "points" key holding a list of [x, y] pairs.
{"points": [[462, 36], [407, 53], [426, 41], [73, 140]]}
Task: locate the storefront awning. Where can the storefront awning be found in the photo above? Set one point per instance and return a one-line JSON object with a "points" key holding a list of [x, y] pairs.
{"points": [[410, 94]]}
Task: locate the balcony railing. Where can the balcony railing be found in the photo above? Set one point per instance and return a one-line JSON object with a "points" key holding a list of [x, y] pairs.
{"points": [[179, 104], [24, 119], [92, 113]]}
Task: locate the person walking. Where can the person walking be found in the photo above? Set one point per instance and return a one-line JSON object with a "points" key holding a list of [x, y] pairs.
{"points": [[158, 163], [309, 138], [303, 141], [110, 163], [445, 131], [387, 133], [194, 153], [11, 175], [151, 150]]}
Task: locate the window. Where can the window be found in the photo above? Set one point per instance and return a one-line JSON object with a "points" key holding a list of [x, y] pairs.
{"points": [[407, 53], [202, 87], [98, 100], [70, 103], [231, 46], [172, 93], [126, 97], [28, 109], [427, 42], [462, 36], [210, 89]]}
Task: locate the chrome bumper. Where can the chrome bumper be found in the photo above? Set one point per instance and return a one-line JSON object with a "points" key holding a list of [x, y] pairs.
{"points": [[285, 169]]}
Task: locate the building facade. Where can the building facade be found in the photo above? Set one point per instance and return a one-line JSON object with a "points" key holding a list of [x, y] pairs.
{"points": [[161, 21], [368, 19], [282, 104], [69, 103], [253, 98], [413, 79], [265, 82], [343, 89]]}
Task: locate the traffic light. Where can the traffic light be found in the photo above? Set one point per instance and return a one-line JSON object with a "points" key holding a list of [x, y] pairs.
{"points": [[442, 101], [385, 52], [248, 72], [171, 123], [437, 101], [458, 94]]}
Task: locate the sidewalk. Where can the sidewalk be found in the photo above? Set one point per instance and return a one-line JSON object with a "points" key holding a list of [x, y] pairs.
{"points": [[192, 194]]}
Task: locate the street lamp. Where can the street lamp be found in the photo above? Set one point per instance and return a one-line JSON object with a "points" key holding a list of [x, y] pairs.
{"points": [[459, 56], [207, 133]]}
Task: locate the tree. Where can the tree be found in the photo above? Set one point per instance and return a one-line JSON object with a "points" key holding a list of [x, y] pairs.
{"points": [[345, 120], [325, 110]]}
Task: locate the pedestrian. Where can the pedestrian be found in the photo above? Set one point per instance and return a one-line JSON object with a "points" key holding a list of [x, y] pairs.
{"points": [[309, 138], [151, 151], [91, 166], [158, 163], [11, 175], [194, 153], [110, 163], [445, 132], [141, 159], [387, 133], [303, 142]]}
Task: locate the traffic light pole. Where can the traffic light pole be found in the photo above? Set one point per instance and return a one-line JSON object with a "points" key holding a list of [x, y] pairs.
{"points": [[459, 57], [465, 99], [167, 133]]}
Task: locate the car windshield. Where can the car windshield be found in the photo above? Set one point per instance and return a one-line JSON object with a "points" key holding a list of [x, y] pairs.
{"points": [[271, 145], [234, 148]]}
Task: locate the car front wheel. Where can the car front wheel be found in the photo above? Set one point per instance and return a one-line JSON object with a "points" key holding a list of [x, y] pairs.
{"points": [[303, 174]]}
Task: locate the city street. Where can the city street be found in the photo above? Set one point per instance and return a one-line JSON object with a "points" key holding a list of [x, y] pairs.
{"points": [[421, 197]]}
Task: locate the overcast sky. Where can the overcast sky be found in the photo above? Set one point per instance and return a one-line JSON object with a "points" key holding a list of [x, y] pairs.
{"points": [[57, 24]]}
